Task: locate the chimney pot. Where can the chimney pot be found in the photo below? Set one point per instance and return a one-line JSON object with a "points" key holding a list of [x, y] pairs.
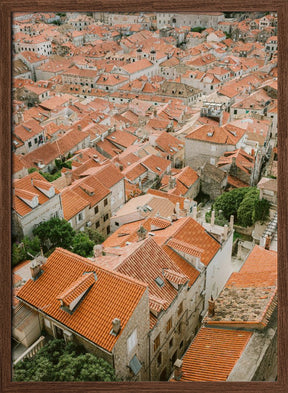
{"points": [[97, 250], [116, 326], [35, 269]]}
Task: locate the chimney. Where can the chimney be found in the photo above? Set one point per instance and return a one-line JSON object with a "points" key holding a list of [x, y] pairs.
{"points": [[97, 250], [194, 212], [231, 223], [177, 209], [35, 269], [267, 242], [141, 233], [225, 233], [68, 176], [213, 217], [116, 326], [178, 370], [211, 307]]}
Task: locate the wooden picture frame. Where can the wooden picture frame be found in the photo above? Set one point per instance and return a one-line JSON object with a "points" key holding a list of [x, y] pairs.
{"points": [[10, 6]]}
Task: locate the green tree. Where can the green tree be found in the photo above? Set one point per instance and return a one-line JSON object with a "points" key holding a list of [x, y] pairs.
{"points": [[261, 210], [18, 253], [94, 235], [229, 202], [82, 245], [27, 249], [247, 207], [54, 233], [58, 361]]}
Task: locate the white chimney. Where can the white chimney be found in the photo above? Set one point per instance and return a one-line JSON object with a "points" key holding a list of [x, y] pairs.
{"points": [[97, 250], [116, 326], [178, 369], [194, 213], [177, 209]]}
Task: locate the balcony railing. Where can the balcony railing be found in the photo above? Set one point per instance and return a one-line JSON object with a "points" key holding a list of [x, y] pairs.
{"points": [[31, 351]]}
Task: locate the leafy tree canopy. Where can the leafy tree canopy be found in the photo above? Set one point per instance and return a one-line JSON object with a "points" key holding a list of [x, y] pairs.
{"points": [[82, 245], [25, 250], [54, 233], [94, 235], [229, 202], [58, 361], [244, 204]]}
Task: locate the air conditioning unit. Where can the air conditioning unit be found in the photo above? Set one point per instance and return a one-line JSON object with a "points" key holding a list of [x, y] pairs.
{"points": [[88, 224]]}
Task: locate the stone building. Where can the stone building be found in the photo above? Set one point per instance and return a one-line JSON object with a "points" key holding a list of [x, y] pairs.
{"points": [[238, 341], [92, 306], [34, 200], [213, 180]]}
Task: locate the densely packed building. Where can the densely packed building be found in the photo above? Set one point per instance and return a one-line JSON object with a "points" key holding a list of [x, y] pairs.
{"points": [[121, 123]]}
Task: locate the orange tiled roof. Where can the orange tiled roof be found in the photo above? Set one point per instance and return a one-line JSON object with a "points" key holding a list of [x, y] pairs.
{"points": [[213, 354], [90, 189], [146, 263], [192, 233], [72, 203], [77, 288], [237, 183], [25, 188], [185, 267], [108, 175], [185, 247], [215, 134], [173, 198], [250, 295], [111, 296]]}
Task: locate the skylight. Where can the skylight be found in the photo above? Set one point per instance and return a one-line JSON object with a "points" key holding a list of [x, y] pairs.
{"points": [[159, 282]]}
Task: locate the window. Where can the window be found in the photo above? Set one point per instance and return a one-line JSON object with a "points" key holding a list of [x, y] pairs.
{"points": [[80, 217], [105, 202], [97, 225], [180, 308], [235, 111], [106, 217], [108, 229], [96, 209], [171, 343], [169, 325], [159, 359], [47, 323], [29, 144], [157, 342], [35, 140], [132, 341]]}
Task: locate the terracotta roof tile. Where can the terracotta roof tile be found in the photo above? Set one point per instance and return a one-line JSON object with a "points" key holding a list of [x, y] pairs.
{"points": [[215, 134], [185, 267], [111, 296], [25, 189], [213, 354], [72, 203]]}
